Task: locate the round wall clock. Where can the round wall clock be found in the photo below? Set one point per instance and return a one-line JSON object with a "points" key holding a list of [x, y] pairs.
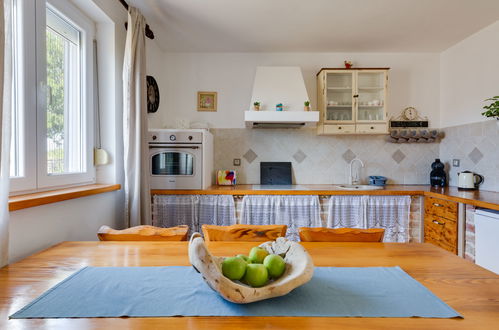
{"points": [[152, 95], [410, 113]]}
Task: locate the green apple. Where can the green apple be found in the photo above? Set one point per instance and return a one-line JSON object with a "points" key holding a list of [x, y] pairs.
{"points": [[234, 268], [257, 254], [275, 265], [245, 257], [256, 275]]}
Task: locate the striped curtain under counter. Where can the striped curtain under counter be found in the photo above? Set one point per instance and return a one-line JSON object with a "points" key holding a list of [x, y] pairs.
{"points": [[193, 210], [388, 212], [294, 211]]}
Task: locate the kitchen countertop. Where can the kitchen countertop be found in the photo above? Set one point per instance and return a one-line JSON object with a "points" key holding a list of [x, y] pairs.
{"points": [[479, 198]]}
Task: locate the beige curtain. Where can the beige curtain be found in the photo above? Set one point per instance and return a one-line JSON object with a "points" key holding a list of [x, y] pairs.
{"points": [[5, 96], [137, 194]]}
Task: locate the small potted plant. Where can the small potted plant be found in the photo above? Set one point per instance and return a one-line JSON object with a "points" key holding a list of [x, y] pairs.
{"points": [[307, 105], [348, 64], [278, 107], [492, 110], [256, 106]]}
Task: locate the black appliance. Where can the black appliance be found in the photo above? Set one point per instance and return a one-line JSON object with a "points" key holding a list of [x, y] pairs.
{"points": [[438, 177], [275, 173]]}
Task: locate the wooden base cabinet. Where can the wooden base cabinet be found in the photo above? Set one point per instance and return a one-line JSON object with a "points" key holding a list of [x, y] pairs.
{"points": [[440, 223]]}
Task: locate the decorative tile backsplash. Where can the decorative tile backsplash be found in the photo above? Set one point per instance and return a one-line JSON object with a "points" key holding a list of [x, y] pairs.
{"points": [[299, 156], [475, 155], [250, 156], [477, 147], [348, 156], [322, 159], [398, 156]]}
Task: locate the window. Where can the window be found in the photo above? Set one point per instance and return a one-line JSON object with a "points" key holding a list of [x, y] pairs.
{"points": [[52, 108], [65, 139]]}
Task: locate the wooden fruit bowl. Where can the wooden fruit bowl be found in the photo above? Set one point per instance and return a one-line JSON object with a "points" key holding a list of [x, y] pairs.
{"points": [[299, 270]]}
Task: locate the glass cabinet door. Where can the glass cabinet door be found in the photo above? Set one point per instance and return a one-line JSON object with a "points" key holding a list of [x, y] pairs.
{"points": [[371, 96], [339, 97]]}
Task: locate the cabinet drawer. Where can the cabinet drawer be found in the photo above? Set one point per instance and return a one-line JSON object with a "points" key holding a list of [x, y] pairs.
{"points": [[339, 129], [441, 208], [440, 230], [372, 128]]}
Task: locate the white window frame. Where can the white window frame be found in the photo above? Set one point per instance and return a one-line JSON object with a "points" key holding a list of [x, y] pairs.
{"points": [[77, 18], [27, 97], [35, 100]]}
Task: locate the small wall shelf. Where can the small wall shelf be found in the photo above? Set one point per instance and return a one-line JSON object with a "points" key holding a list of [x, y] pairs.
{"points": [[410, 127]]}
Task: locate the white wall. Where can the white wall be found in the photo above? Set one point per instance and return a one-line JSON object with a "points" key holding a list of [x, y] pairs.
{"points": [[469, 73], [109, 17], [413, 81], [37, 228]]}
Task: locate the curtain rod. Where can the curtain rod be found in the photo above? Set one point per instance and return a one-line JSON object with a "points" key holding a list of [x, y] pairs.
{"points": [[149, 32]]}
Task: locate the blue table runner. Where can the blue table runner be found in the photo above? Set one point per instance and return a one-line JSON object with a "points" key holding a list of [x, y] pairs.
{"points": [[180, 291]]}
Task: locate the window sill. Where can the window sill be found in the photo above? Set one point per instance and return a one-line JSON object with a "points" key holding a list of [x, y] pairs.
{"points": [[53, 196]]}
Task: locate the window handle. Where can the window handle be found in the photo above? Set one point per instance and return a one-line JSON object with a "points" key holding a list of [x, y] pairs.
{"points": [[438, 222], [437, 205]]}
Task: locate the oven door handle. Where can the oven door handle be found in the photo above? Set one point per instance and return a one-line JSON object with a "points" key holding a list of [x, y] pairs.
{"points": [[173, 147]]}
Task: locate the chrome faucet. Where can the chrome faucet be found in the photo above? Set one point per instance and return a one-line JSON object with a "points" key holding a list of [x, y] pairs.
{"points": [[355, 180]]}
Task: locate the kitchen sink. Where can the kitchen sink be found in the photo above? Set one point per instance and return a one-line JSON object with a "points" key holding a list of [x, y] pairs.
{"points": [[358, 187]]}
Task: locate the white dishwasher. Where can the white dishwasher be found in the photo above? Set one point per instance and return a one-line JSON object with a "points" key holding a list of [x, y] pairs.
{"points": [[487, 239]]}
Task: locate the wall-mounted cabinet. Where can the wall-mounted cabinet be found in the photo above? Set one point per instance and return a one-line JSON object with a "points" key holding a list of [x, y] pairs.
{"points": [[352, 101]]}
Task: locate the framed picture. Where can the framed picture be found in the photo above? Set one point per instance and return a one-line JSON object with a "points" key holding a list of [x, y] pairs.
{"points": [[207, 101]]}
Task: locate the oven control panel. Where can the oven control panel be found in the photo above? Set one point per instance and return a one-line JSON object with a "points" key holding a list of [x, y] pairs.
{"points": [[174, 136]]}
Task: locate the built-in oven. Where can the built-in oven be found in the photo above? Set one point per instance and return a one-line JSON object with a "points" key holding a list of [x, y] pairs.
{"points": [[176, 159]]}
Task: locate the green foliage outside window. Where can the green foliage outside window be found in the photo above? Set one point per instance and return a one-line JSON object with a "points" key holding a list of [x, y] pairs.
{"points": [[55, 101]]}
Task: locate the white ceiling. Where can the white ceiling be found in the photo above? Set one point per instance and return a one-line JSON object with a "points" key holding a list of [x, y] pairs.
{"points": [[315, 25]]}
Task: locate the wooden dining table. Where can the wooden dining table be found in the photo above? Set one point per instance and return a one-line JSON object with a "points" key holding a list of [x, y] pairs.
{"points": [[471, 290]]}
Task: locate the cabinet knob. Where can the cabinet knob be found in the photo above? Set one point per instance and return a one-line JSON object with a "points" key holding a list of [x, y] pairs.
{"points": [[372, 127], [356, 95], [339, 127]]}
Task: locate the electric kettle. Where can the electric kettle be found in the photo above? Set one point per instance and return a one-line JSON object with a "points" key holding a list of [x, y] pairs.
{"points": [[469, 181]]}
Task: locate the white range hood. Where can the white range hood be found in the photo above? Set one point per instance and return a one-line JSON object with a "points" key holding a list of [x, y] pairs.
{"points": [[279, 84]]}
